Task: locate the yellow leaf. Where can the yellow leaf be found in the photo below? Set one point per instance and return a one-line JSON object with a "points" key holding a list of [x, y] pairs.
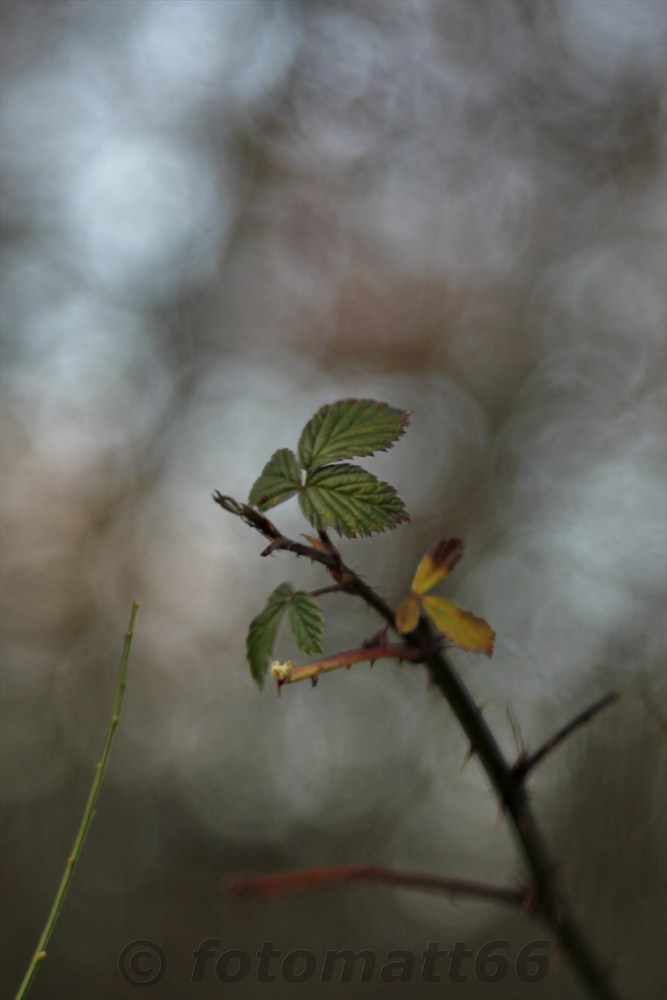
{"points": [[407, 614], [461, 627], [436, 564]]}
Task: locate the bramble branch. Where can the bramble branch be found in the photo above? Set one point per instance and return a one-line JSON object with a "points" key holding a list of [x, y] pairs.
{"points": [[548, 899], [314, 878], [285, 673], [528, 762]]}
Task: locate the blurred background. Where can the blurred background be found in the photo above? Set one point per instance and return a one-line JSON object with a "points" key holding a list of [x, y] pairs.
{"points": [[218, 216]]}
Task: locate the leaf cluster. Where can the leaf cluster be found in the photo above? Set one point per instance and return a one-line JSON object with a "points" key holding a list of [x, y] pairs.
{"points": [[461, 627], [332, 492]]}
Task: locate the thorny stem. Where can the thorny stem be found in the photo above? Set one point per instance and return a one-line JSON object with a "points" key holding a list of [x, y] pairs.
{"points": [[309, 878], [511, 791], [509, 784], [528, 762], [311, 671]]}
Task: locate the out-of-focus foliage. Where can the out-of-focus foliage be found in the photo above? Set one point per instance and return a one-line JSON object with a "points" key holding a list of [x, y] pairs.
{"points": [[216, 215]]}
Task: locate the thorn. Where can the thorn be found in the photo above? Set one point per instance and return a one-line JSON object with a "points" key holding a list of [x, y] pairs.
{"points": [[379, 639], [528, 898], [470, 753], [521, 749]]}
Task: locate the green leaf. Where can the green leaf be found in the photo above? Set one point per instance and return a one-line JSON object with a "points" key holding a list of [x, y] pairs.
{"points": [[306, 622], [350, 500], [280, 480], [305, 619], [263, 630], [349, 428]]}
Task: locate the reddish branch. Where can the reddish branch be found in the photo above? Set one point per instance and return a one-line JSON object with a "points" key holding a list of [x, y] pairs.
{"points": [[507, 779], [316, 878], [311, 671]]}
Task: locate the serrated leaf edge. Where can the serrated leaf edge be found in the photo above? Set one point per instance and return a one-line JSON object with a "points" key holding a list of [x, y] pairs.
{"points": [[310, 467]]}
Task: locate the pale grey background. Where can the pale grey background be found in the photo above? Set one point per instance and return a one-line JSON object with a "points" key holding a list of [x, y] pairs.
{"points": [[216, 217]]}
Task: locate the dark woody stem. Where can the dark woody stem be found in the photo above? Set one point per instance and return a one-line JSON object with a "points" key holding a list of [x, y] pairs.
{"points": [[507, 779], [511, 791], [528, 762]]}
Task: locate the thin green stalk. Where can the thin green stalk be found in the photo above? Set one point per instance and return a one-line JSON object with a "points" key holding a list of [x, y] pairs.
{"points": [[86, 820]]}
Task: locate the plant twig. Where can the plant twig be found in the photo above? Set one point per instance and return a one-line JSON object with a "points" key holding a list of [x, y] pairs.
{"points": [[528, 762], [87, 818], [285, 673], [335, 588], [550, 900], [312, 878]]}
